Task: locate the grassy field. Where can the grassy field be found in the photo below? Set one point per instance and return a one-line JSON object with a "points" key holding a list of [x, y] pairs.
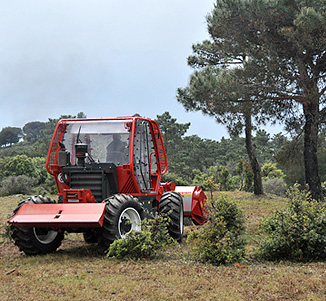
{"points": [[77, 270]]}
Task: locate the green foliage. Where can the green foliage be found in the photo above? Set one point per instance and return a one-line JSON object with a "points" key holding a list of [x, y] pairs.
{"points": [[246, 175], [24, 165], [224, 178], [322, 154], [40, 172], [17, 165], [211, 185], [275, 186], [192, 160], [172, 133], [16, 184], [5, 236], [10, 135], [81, 115], [185, 153], [270, 171], [297, 232], [34, 130], [200, 178], [175, 178], [215, 176], [232, 149], [219, 241], [235, 183], [49, 185], [199, 153], [290, 159], [263, 143], [154, 236]]}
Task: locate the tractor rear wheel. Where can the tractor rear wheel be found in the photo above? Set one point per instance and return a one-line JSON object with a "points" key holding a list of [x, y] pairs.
{"points": [[34, 241], [171, 204], [123, 214]]}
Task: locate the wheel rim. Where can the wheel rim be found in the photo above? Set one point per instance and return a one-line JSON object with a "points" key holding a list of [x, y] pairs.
{"points": [[129, 220], [44, 235]]}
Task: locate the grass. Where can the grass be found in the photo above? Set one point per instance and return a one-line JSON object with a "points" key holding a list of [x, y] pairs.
{"points": [[78, 271]]}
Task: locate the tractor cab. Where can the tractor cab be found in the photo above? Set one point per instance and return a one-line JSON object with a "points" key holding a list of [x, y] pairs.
{"points": [[96, 142], [107, 156]]}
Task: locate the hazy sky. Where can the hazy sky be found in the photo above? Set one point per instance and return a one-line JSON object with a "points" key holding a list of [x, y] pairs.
{"points": [[106, 58]]}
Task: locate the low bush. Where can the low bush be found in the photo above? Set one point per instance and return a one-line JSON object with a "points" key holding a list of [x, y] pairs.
{"points": [[154, 236], [16, 184], [275, 186], [220, 241], [5, 234], [297, 232]]}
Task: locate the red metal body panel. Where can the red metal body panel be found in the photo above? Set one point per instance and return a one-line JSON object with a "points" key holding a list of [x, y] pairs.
{"points": [[78, 195], [169, 186], [194, 200], [160, 148], [198, 210], [60, 215]]}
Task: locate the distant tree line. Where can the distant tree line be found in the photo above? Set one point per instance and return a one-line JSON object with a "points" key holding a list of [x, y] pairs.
{"points": [[224, 164], [192, 160]]}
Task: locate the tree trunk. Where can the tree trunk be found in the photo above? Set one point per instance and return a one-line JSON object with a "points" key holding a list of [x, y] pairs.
{"points": [[258, 185], [311, 113]]}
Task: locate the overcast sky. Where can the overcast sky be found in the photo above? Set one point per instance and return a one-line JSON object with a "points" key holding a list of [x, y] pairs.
{"points": [[105, 58]]}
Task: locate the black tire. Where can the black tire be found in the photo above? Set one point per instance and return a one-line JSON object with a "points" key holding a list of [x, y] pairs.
{"points": [[120, 209], [34, 241], [171, 204], [90, 237]]}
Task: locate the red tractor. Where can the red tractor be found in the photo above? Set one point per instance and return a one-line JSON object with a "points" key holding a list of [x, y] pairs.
{"points": [[108, 175]]}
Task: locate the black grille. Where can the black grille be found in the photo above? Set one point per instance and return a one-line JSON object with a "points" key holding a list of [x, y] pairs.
{"points": [[93, 180], [100, 178]]}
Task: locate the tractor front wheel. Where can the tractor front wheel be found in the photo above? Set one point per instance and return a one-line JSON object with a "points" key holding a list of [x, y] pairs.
{"points": [[123, 214], [34, 241], [171, 204]]}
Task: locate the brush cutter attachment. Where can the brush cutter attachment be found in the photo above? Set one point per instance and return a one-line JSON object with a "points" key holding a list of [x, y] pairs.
{"points": [[58, 216], [194, 200]]}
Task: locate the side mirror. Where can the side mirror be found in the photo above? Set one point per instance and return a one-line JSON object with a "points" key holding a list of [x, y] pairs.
{"points": [[63, 156]]}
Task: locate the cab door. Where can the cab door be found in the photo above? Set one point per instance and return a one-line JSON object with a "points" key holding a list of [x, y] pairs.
{"points": [[142, 155]]}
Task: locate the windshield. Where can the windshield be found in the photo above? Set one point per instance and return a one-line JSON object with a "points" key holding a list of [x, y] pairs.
{"points": [[107, 140]]}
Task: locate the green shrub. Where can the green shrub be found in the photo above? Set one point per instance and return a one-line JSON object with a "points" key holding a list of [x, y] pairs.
{"points": [[275, 186], [297, 232], [219, 241], [270, 171], [16, 184], [153, 237], [5, 234]]}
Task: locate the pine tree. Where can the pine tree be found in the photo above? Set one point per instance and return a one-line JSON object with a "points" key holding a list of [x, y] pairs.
{"points": [[265, 60]]}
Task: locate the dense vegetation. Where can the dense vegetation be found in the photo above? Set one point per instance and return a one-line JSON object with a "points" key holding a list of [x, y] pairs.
{"points": [[222, 165], [23, 155]]}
